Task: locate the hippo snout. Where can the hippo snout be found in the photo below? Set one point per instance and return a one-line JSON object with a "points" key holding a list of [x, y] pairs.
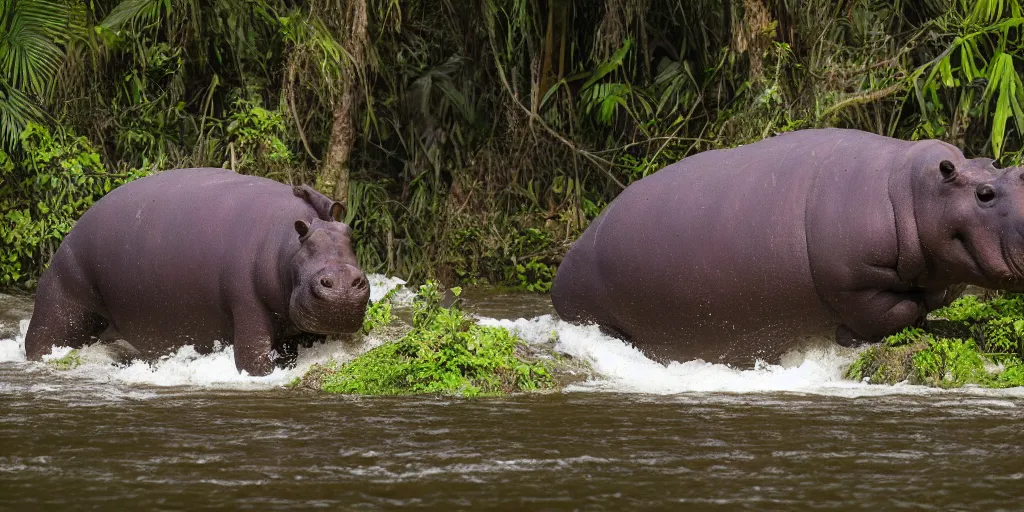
{"points": [[347, 281], [332, 301]]}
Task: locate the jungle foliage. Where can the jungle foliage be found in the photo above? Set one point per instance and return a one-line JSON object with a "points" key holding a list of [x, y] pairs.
{"points": [[473, 140], [971, 341]]}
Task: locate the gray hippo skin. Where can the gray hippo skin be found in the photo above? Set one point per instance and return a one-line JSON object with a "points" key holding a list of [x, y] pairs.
{"points": [[735, 254], [192, 256]]}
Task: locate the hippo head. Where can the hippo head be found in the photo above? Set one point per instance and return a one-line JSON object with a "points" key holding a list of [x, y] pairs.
{"points": [[970, 219], [330, 292]]}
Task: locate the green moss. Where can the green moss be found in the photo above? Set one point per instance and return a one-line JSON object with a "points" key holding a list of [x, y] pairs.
{"points": [[379, 314], [1011, 376], [971, 341], [883, 364], [70, 361], [950, 363], [446, 352]]}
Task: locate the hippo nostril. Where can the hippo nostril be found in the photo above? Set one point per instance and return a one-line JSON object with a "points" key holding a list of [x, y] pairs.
{"points": [[985, 192], [359, 282], [326, 282]]}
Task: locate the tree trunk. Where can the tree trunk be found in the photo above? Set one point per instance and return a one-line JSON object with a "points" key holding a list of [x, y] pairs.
{"points": [[334, 171], [333, 179]]}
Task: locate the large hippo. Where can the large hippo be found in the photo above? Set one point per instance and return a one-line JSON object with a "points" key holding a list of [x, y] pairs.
{"points": [[735, 254], [193, 256]]}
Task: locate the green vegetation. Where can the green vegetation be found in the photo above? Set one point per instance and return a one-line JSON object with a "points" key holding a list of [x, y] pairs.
{"points": [[42, 197], [445, 352], [971, 341], [379, 314], [70, 361], [473, 140]]}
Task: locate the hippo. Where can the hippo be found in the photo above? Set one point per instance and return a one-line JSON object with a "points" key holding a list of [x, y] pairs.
{"points": [[198, 256], [739, 255]]}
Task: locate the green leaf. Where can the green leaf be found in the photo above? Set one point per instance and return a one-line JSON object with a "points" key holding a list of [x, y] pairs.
{"points": [[946, 72], [967, 61], [1002, 80], [611, 65], [142, 12]]}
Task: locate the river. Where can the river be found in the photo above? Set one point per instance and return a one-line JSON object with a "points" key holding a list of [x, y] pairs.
{"points": [[186, 432]]}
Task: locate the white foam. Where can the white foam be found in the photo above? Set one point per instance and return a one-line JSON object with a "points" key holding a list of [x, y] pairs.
{"points": [[186, 367], [812, 368], [619, 367], [380, 285], [13, 349]]}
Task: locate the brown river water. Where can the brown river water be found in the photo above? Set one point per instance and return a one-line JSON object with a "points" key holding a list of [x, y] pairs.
{"points": [[185, 433]]}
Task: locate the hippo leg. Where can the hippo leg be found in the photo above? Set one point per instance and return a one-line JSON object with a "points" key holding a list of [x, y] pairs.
{"points": [[940, 298], [59, 321], [870, 315], [254, 342], [848, 338]]}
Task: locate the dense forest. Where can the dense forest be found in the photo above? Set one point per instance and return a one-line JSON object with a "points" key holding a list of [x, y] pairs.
{"points": [[473, 139]]}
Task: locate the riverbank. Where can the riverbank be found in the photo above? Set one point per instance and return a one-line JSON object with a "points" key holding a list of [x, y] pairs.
{"points": [[976, 340]]}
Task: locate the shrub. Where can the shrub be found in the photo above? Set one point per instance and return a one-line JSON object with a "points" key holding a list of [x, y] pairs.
{"points": [[971, 341], [446, 352]]}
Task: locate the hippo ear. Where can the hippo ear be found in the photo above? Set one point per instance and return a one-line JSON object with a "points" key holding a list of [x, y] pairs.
{"points": [[337, 211], [302, 228], [948, 170], [322, 204]]}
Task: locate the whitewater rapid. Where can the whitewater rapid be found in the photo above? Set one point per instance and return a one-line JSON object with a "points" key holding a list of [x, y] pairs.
{"points": [[619, 368]]}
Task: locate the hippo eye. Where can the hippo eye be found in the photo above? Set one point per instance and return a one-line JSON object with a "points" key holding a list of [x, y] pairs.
{"points": [[985, 192]]}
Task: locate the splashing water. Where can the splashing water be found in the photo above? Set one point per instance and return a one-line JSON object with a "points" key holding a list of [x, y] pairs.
{"points": [[183, 367], [13, 349], [811, 368], [381, 285]]}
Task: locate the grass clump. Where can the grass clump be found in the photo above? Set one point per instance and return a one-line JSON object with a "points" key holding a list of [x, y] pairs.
{"points": [[446, 352], [972, 341], [70, 361]]}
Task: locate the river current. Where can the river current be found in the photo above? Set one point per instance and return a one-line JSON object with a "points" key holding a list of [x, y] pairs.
{"points": [[188, 432]]}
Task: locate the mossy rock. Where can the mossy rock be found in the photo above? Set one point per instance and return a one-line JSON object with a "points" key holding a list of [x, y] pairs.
{"points": [[885, 365], [444, 352], [973, 341]]}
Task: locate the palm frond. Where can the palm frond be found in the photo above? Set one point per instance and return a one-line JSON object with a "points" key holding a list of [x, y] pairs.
{"points": [[128, 12], [17, 110], [30, 51]]}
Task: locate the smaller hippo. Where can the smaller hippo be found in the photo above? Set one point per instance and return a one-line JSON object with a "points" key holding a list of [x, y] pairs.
{"points": [[194, 256]]}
